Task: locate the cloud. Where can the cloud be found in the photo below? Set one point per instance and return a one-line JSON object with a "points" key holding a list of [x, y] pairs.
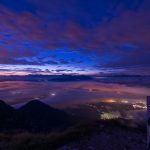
{"points": [[26, 26], [63, 70], [115, 34]]}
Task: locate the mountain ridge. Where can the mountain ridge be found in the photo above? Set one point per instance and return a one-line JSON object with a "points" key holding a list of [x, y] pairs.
{"points": [[34, 116]]}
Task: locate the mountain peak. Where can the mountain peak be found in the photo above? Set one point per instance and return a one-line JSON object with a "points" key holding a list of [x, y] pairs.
{"points": [[34, 116], [4, 106], [5, 111], [37, 115], [35, 102], [35, 105], [2, 102]]}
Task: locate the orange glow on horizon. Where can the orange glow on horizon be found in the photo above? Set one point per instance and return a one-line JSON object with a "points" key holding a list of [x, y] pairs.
{"points": [[109, 101]]}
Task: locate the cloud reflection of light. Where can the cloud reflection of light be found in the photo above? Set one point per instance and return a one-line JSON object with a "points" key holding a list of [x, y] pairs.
{"points": [[109, 101], [110, 115]]}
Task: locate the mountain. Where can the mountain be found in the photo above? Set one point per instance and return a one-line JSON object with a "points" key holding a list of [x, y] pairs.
{"points": [[38, 116], [5, 110], [6, 115], [55, 78], [35, 116], [64, 78]]}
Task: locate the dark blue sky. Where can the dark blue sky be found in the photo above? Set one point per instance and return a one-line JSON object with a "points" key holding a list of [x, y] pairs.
{"points": [[74, 36]]}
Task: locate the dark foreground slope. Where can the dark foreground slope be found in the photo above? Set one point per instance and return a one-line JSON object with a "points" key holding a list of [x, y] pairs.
{"points": [[110, 136], [101, 135]]}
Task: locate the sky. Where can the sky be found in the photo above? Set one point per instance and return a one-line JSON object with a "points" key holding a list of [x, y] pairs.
{"points": [[74, 37]]}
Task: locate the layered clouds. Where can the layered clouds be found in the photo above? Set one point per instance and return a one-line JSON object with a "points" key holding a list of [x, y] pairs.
{"points": [[74, 36]]}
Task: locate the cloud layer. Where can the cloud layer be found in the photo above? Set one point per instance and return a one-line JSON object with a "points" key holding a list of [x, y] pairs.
{"points": [[76, 35]]}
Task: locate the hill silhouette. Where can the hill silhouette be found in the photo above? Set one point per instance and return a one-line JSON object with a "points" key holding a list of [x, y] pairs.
{"points": [[5, 110], [6, 115], [35, 116]]}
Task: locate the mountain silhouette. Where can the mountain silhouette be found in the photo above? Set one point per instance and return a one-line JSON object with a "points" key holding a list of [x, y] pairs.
{"points": [[34, 116], [65, 78], [5, 110], [6, 115]]}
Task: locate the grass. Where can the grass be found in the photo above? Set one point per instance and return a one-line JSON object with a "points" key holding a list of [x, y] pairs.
{"points": [[53, 140], [49, 141]]}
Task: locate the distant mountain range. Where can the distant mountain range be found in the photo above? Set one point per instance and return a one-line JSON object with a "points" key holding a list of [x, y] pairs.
{"points": [[35, 116], [39, 78], [65, 78]]}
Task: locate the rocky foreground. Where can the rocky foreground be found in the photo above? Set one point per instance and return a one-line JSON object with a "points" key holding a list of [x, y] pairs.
{"points": [[111, 138]]}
